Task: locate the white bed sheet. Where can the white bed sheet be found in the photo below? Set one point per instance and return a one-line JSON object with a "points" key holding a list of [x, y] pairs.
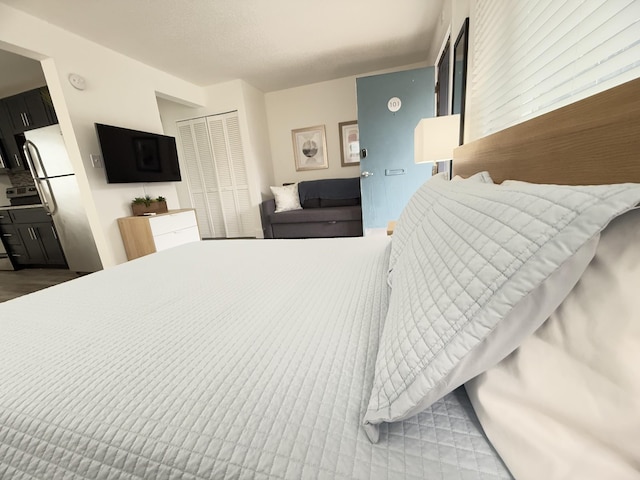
{"points": [[221, 359]]}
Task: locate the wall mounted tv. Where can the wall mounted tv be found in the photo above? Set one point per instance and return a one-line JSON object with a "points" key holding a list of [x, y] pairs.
{"points": [[131, 156]]}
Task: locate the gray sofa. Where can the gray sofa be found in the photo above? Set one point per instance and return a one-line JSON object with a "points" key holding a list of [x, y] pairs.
{"points": [[331, 208]]}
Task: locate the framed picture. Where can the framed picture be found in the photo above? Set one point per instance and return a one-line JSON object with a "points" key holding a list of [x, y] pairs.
{"points": [[310, 148], [349, 143]]}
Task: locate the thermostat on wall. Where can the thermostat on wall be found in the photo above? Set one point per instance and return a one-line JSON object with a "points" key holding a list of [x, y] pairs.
{"points": [[394, 104]]}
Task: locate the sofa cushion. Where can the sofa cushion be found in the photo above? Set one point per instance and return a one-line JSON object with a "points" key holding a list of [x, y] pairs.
{"points": [[345, 202], [311, 203], [330, 188], [337, 214], [318, 229]]}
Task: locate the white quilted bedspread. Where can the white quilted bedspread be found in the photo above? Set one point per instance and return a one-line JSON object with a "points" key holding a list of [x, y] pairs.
{"points": [[222, 359]]}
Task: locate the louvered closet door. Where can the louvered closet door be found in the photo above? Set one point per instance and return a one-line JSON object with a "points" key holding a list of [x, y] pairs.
{"points": [[210, 179], [194, 178], [224, 131], [203, 185]]}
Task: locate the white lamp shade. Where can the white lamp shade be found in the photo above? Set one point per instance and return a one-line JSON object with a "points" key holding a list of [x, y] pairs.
{"points": [[435, 138]]}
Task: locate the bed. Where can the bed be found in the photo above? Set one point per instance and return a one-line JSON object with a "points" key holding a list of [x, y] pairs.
{"points": [[299, 358]]}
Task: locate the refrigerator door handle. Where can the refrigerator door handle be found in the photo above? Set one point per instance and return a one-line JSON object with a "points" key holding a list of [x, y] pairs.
{"points": [[53, 208]]}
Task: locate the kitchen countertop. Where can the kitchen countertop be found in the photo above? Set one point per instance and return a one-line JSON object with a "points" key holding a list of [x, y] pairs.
{"points": [[17, 207]]}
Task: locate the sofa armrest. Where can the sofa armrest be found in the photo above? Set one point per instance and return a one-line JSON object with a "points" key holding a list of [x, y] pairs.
{"points": [[267, 208]]}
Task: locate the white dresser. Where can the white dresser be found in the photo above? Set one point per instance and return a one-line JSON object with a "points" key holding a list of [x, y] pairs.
{"points": [[148, 234]]}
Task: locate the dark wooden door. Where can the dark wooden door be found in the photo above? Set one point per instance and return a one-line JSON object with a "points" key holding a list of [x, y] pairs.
{"points": [[33, 253], [48, 236]]}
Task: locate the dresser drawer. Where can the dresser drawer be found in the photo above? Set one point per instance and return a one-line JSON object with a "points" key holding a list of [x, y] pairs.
{"points": [[175, 238], [5, 217], [169, 223], [145, 235]]}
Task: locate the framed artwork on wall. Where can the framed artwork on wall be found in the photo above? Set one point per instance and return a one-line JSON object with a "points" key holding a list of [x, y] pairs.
{"points": [[310, 148], [349, 143]]}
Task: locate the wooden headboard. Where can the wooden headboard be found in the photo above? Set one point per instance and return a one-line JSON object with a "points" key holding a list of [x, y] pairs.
{"points": [[590, 142]]}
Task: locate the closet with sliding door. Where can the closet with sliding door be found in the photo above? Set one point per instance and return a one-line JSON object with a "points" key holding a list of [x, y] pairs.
{"points": [[217, 175]]}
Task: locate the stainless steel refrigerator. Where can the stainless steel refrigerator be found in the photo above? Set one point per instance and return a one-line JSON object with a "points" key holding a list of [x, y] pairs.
{"points": [[56, 183]]}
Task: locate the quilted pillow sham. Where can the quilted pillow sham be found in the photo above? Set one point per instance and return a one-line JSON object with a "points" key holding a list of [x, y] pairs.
{"points": [[483, 270], [417, 206]]}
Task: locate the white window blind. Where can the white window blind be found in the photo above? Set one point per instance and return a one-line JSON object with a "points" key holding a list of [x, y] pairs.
{"points": [[531, 57]]}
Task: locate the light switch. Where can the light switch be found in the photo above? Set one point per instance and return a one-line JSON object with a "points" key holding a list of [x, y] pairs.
{"points": [[96, 160]]}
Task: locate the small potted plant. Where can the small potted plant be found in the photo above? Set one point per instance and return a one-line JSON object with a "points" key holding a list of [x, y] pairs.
{"points": [[146, 204]]}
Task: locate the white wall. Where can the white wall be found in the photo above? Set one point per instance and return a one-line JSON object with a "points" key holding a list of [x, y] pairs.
{"points": [[19, 74], [325, 103], [249, 103], [120, 91], [453, 14], [255, 106], [170, 113], [442, 30]]}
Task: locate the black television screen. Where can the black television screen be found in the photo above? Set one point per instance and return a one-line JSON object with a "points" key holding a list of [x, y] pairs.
{"points": [[131, 156]]}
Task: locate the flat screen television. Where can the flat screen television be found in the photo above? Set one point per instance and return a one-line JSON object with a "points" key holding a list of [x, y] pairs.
{"points": [[132, 156]]}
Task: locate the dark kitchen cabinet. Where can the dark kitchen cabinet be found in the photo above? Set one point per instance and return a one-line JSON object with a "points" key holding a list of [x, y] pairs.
{"points": [[15, 246], [5, 218], [29, 110], [32, 252], [29, 215], [18, 114], [14, 157], [30, 238], [46, 233]]}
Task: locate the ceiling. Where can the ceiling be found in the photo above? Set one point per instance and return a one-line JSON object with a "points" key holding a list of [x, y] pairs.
{"points": [[273, 44]]}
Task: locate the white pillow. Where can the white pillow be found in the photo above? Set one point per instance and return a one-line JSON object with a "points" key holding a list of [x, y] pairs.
{"points": [[566, 404], [287, 198], [483, 271]]}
